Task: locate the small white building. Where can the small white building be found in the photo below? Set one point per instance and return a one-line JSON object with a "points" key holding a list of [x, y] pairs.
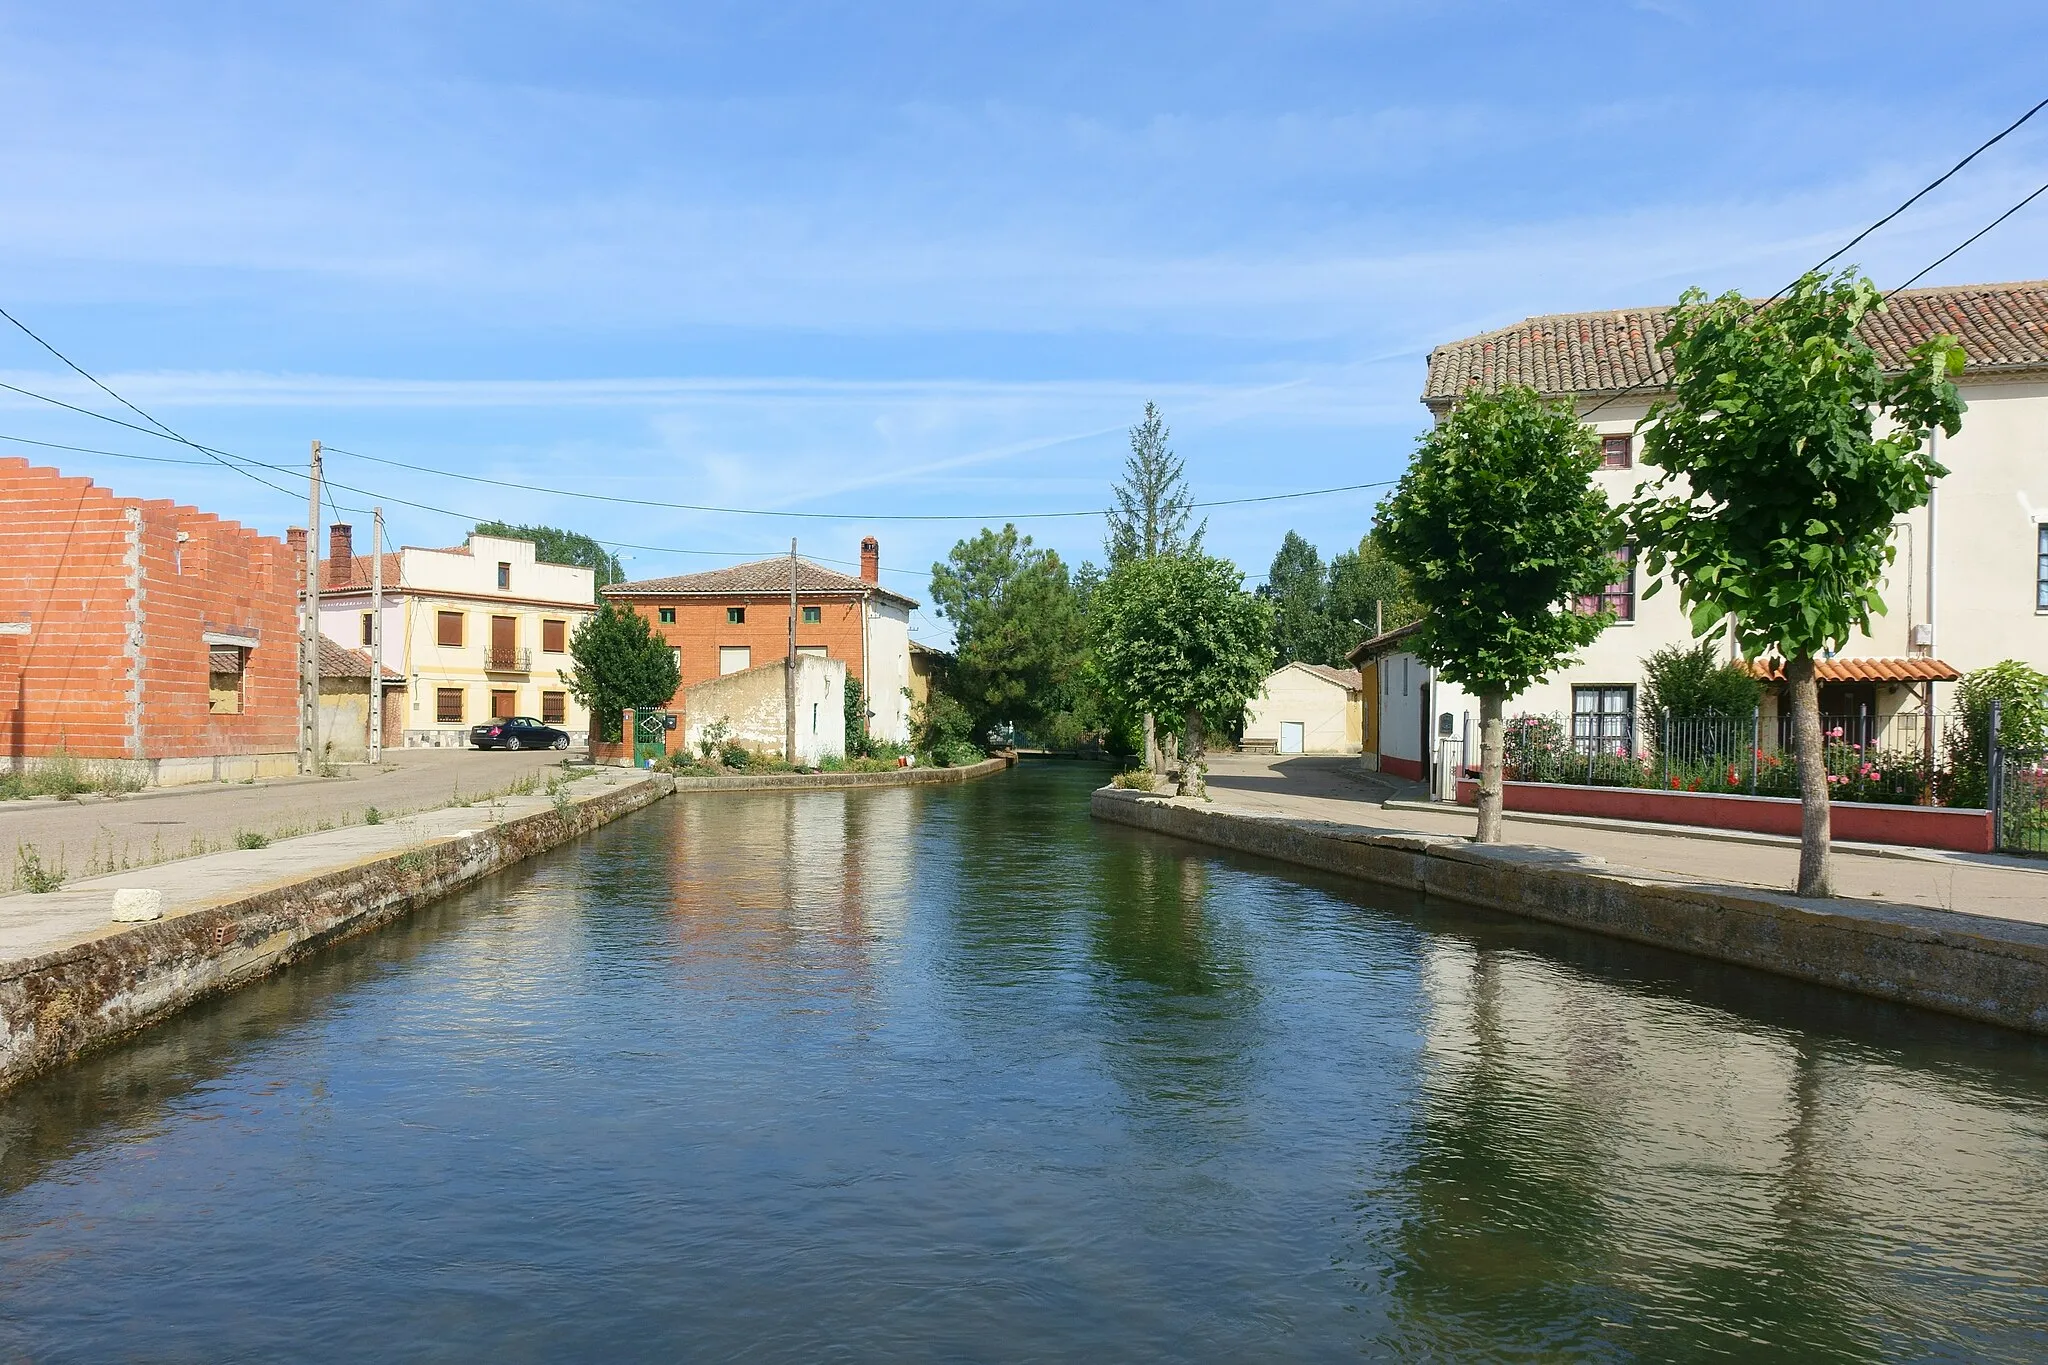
{"points": [[1305, 709], [1394, 690]]}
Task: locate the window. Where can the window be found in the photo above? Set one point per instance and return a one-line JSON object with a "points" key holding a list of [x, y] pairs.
{"points": [[1619, 596], [554, 708], [734, 659], [815, 651], [225, 668], [554, 637], [735, 616], [1604, 720], [2041, 573], [504, 576], [668, 616], [813, 615], [1617, 452], [448, 629], [369, 627], [448, 705], [675, 656]]}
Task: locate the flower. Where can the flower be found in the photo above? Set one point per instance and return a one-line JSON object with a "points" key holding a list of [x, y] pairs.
{"points": [[1835, 733]]}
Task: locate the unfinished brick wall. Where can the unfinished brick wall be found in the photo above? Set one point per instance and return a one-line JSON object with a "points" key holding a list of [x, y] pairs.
{"points": [[114, 664]]}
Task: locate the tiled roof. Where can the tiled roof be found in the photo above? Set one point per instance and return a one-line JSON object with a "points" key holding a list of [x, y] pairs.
{"points": [[2001, 326], [1343, 677], [1863, 670], [360, 570], [763, 576], [339, 661], [1383, 644]]}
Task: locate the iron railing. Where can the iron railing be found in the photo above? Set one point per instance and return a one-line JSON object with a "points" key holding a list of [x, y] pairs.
{"points": [[509, 661]]}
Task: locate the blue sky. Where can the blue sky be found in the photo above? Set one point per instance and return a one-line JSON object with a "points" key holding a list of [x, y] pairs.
{"points": [[921, 259]]}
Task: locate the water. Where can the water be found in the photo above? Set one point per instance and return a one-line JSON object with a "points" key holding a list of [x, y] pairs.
{"points": [[958, 1074]]}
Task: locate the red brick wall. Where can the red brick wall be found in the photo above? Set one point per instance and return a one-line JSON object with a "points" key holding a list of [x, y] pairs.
{"points": [[115, 663], [700, 629]]}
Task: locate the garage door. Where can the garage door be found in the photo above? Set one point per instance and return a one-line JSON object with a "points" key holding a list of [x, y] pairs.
{"points": [[1291, 736]]}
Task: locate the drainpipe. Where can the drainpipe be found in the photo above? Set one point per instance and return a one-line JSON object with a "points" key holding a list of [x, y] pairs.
{"points": [[1933, 566]]}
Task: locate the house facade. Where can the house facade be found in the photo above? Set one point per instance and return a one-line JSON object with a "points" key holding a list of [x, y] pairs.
{"points": [[734, 619], [1969, 586], [477, 632], [143, 632], [1305, 709]]}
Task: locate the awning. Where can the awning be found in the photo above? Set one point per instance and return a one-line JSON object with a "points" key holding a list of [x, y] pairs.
{"points": [[1862, 670]]}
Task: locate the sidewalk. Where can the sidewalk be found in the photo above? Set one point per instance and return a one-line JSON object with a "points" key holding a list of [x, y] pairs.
{"points": [[1339, 790], [105, 833]]}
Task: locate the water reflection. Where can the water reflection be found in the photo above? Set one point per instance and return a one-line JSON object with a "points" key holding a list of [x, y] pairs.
{"points": [[958, 1073]]}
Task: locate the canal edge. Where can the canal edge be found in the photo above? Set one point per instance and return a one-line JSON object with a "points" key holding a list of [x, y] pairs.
{"points": [[899, 777], [59, 1004], [1976, 966]]}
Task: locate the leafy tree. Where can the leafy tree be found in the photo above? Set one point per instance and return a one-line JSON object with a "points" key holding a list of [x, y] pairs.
{"points": [[552, 545], [1303, 627], [1500, 528], [1178, 635], [1017, 629], [1694, 680], [1152, 501], [619, 663], [1776, 499], [859, 743], [2022, 694], [1368, 588]]}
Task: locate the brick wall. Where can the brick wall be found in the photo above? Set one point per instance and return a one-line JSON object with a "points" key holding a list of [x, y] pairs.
{"points": [[701, 628], [115, 662]]}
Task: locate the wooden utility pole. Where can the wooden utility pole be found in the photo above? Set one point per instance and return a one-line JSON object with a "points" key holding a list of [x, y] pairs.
{"points": [[309, 640], [789, 668], [376, 635]]}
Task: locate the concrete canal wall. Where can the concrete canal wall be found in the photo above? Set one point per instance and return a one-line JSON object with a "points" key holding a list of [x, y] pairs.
{"points": [[1977, 966], [900, 777], [231, 918]]}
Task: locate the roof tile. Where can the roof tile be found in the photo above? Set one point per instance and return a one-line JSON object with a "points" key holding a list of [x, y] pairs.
{"points": [[763, 576]]}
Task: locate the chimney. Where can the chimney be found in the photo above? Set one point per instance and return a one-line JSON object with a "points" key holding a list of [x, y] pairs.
{"points": [[870, 560], [341, 554], [295, 541]]}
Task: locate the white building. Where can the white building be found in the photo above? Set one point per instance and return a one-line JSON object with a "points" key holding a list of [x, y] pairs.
{"points": [[480, 631], [1970, 583], [1305, 709]]}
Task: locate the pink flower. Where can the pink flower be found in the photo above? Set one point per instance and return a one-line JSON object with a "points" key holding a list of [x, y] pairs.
{"points": [[1835, 733]]}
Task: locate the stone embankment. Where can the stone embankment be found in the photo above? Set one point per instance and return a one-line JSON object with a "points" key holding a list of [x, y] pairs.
{"points": [[1977, 966], [71, 979], [896, 777]]}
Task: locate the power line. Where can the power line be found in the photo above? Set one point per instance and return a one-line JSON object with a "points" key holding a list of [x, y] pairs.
{"points": [[112, 454], [1972, 238]]}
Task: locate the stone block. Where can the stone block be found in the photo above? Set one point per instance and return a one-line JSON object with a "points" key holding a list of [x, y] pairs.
{"points": [[137, 905]]}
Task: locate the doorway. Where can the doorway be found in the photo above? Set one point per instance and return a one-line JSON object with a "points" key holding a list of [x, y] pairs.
{"points": [[1291, 736]]}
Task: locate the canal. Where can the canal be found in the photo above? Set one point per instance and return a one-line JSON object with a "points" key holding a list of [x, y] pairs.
{"points": [[959, 1074]]}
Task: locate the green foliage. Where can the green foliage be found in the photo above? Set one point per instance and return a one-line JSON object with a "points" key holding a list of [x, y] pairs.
{"points": [[619, 663], [372, 816], [734, 754], [1776, 498], [1177, 634], [1152, 501], [1364, 578], [1303, 625], [1694, 680], [2022, 693], [249, 838], [552, 545], [1500, 528], [1136, 780], [939, 724], [713, 736], [64, 775], [32, 875], [859, 744], [1017, 629]]}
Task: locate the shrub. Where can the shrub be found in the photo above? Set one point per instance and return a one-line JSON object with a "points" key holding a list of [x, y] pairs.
{"points": [[372, 816], [249, 838], [734, 754], [2023, 724], [713, 736], [956, 754], [1696, 681], [31, 875], [1137, 780]]}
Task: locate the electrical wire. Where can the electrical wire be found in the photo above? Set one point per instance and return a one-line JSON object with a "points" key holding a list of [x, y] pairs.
{"points": [[1972, 238]]}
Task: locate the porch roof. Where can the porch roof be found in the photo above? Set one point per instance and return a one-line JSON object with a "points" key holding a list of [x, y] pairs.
{"points": [[1863, 670]]}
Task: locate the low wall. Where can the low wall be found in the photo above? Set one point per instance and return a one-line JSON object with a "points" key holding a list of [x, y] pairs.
{"points": [[1961, 831], [1976, 966], [900, 777], [56, 1005]]}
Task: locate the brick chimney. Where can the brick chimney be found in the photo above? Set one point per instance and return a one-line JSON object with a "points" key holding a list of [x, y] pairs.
{"points": [[295, 541], [870, 560], [341, 554]]}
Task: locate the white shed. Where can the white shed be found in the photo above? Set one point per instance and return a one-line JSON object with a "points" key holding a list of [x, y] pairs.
{"points": [[1305, 709]]}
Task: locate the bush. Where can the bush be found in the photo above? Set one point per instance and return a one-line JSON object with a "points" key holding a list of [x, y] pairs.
{"points": [[712, 738], [249, 838], [2023, 724], [1136, 780], [1696, 681], [858, 744], [939, 722], [956, 754], [734, 754]]}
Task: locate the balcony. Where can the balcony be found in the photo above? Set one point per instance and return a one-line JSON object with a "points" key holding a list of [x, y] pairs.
{"points": [[509, 661]]}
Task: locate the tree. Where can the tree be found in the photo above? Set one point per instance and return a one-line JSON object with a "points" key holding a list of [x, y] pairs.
{"points": [[1500, 529], [1369, 591], [1017, 630], [1695, 680], [1150, 518], [552, 545], [1776, 498], [2022, 694], [619, 663], [1177, 635], [1303, 627]]}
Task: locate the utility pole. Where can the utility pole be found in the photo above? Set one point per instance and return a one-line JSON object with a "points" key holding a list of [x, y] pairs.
{"points": [[789, 669], [376, 636], [309, 642]]}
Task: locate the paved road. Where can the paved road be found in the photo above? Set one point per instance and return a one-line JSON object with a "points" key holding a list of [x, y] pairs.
{"points": [[97, 834], [1339, 790]]}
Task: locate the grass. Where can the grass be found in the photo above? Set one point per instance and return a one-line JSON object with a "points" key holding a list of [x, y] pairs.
{"points": [[64, 775], [31, 874], [249, 838], [1136, 780]]}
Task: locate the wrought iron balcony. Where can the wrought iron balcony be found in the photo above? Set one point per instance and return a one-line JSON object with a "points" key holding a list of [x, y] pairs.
{"points": [[509, 661]]}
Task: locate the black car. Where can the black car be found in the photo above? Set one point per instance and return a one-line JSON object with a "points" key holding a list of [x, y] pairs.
{"points": [[517, 732]]}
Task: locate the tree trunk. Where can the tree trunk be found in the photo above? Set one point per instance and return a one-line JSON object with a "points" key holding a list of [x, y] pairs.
{"points": [[1810, 748], [1194, 765], [1492, 752], [1154, 760]]}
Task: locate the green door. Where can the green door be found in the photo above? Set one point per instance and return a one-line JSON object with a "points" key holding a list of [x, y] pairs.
{"points": [[650, 736]]}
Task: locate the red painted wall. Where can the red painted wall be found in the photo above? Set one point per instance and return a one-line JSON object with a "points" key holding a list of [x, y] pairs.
{"points": [[1401, 767], [1963, 831], [115, 663]]}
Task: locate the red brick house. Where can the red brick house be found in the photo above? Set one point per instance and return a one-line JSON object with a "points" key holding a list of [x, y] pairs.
{"points": [[144, 631], [729, 620]]}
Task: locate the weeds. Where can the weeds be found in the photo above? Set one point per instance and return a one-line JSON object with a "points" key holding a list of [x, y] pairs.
{"points": [[249, 838], [30, 873], [372, 816], [1136, 780], [63, 775]]}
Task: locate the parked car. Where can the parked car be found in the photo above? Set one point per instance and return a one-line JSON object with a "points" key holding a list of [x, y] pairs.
{"points": [[517, 732]]}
